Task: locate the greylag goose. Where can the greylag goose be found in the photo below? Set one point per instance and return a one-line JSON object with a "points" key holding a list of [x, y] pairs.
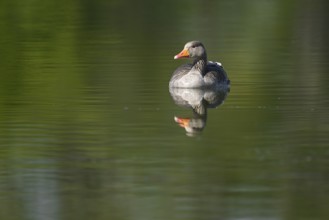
{"points": [[201, 73]]}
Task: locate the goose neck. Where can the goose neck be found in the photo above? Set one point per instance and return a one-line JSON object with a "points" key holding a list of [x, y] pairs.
{"points": [[200, 64]]}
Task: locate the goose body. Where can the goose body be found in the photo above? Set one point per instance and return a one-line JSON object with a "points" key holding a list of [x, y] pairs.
{"points": [[201, 73]]}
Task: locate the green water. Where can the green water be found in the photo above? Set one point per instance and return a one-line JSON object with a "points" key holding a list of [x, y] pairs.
{"points": [[87, 126]]}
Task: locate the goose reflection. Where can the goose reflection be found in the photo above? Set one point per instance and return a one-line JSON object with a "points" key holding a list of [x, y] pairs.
{"points": [[199, 100]]}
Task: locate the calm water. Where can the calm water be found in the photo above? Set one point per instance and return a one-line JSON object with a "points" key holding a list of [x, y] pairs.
{"points": [[88, 125]]}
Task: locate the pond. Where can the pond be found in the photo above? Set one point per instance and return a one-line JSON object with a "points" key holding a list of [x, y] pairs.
{"points": [[90, 129]]}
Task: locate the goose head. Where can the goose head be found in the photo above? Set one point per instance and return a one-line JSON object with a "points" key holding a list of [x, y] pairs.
{"points": [[192, 49]]}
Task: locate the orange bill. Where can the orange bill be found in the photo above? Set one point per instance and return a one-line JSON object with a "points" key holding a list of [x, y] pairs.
{"points": [[183, 53]]}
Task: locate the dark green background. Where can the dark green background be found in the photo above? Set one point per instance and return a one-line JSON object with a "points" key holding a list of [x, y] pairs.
{"points": [[86, 119]]}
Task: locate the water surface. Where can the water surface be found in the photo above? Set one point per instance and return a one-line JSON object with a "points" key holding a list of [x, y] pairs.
{"points": [[87, 119]]}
